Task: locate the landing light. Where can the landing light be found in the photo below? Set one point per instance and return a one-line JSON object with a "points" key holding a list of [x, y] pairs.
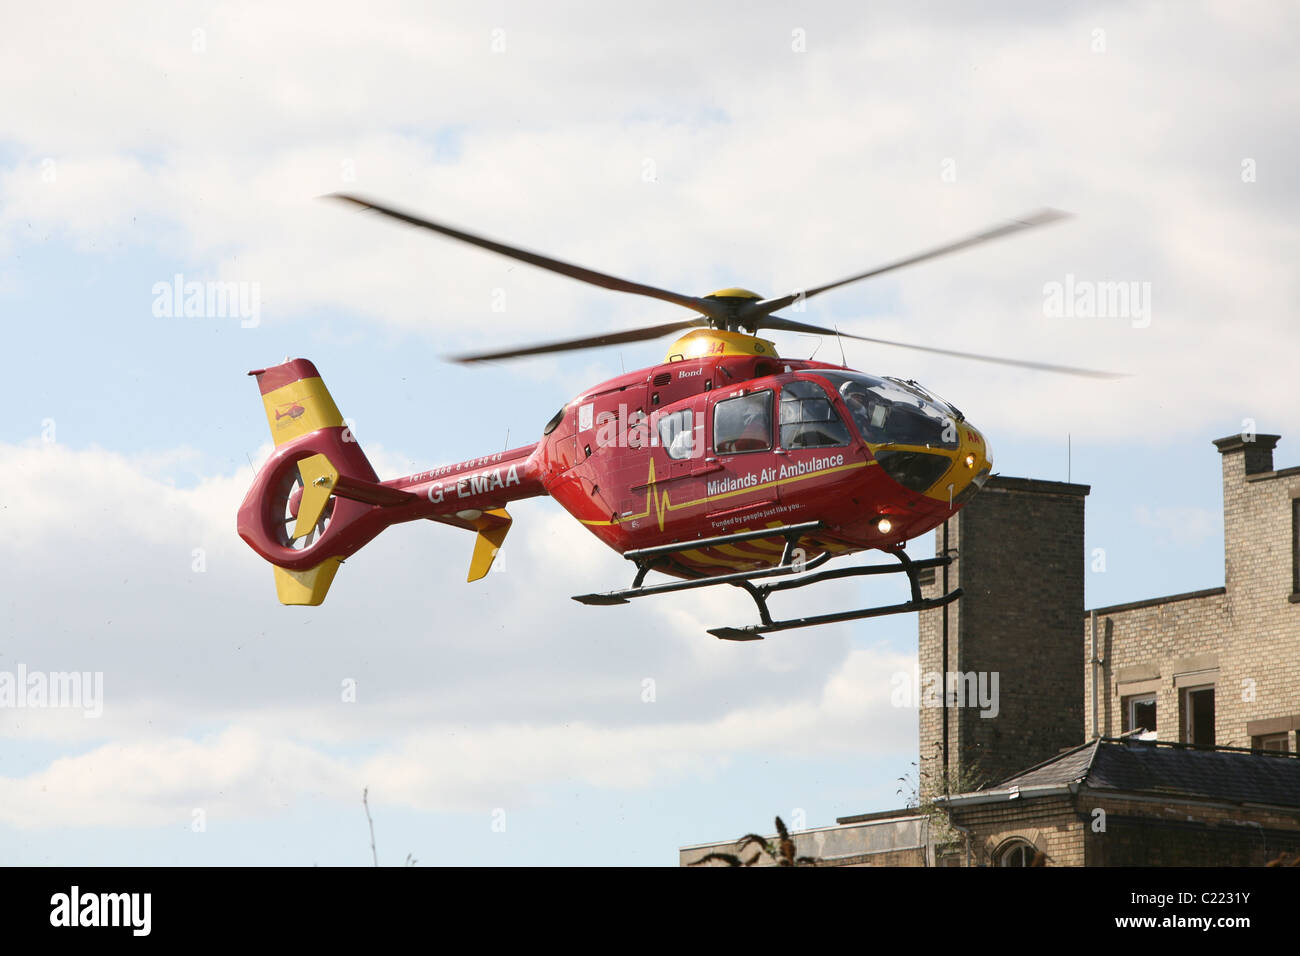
{"points": [[884, 526], [970, 461]]}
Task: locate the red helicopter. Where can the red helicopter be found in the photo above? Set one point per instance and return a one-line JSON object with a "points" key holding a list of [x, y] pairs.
{"points": [[725, 464]]}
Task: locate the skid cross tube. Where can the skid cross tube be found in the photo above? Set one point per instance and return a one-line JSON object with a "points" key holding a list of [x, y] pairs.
{"points": [[909, 567], [791, 573]]}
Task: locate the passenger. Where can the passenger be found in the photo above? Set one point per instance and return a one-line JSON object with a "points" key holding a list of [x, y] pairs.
{"points": [[683, 445]]}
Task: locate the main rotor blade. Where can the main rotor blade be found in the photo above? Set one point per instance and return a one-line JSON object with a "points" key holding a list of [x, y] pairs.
{"points": [[612, 338], [789, 325], [712, 309], [1040, 218]]}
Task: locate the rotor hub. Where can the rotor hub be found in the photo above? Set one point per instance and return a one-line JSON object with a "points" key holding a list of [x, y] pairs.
{"points": [[733, 299]]}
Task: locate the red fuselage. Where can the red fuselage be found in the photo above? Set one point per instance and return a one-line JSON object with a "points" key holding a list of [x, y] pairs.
{"points": [[666, 455]]}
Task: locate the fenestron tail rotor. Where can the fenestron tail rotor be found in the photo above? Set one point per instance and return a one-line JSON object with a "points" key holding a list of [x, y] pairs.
{"points": [[731, 309]]}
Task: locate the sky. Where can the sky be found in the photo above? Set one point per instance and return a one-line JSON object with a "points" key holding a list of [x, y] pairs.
{"points": [[687, 146]]}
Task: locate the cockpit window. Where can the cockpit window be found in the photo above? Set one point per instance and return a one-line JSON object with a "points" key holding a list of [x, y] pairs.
{"points": [[808, 420], [891, 411], [743, 424]]}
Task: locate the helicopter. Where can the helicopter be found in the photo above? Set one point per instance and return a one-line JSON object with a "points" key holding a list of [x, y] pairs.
{"points": [[725, 464]]}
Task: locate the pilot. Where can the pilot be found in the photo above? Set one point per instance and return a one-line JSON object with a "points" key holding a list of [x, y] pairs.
{"points": [[755, 435], [869, 411]]}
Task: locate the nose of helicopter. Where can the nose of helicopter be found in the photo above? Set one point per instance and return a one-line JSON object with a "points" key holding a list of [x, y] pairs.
{"points": [[971, 467]]}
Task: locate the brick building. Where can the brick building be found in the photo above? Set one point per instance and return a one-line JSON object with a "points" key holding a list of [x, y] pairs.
{"points": [[1218, 668], [1107, 802], [1018, 558], [1214, 667]]}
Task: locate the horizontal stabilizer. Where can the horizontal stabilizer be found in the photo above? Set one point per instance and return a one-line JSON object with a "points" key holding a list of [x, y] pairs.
{"points": [[492, 527]]}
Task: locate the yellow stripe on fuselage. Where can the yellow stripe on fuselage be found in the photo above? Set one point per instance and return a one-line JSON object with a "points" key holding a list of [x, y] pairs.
{"points": [[697, 556]]}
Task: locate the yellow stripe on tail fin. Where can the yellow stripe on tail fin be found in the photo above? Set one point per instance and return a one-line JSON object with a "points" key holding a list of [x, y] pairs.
{"points": [[296, 400]]}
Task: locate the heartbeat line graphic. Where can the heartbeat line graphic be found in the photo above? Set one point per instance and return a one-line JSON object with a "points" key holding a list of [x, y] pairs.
{"points": [[659, 504]]}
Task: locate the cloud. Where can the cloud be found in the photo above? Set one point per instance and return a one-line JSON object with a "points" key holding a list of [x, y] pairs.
{"points": [[216, 697], [675, 144], [698, 171]]}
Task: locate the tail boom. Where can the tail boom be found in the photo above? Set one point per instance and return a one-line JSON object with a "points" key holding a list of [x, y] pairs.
{"points": [[317, 500]]}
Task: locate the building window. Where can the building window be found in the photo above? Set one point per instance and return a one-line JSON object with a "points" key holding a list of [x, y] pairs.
{"points": [[1198, 716], [1019, 853], [1276, 743], [1140, 711], [1295, 545], [948, 854]]}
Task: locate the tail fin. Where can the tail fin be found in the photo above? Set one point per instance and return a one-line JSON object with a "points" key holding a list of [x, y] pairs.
{"points": [[296, 400], [317, 499]]}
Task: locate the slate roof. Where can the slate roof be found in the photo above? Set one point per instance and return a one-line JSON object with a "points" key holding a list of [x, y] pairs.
{"points": [[1153, 767]]}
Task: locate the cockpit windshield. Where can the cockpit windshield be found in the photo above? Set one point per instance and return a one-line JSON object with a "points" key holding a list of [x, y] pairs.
{"points": [[892, 411]]}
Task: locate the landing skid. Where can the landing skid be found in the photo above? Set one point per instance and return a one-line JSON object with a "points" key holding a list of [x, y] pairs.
{"points": [[795, 573]]}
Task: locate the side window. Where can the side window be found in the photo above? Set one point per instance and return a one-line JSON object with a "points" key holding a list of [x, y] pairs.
{"points": [[743, 424], [1274, 743], [1198, 716], [675, 434], [808, 420], [1020, 853], [1295, 546], [1140, 711]]}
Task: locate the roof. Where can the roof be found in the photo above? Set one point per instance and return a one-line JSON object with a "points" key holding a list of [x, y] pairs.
{"points": [[1152, 602], [1156, 767]]}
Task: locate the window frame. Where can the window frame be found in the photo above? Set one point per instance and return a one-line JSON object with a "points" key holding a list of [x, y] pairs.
{"points": [[1187, 721], [1262, 741], [1295, 549], [1016, 847], [770, 396], [664, 417], [823, 394], [1130, 719]]}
